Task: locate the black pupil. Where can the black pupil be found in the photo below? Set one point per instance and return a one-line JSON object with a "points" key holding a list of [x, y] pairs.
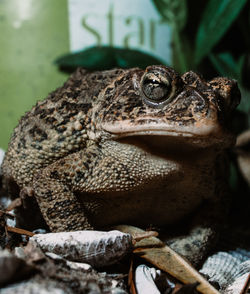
{"points": [[155, 90]]}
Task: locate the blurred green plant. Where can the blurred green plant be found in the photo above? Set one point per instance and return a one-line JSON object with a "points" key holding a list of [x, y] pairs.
{"points": [[104, 57], [175, 14], [195, 53], [216, 19]]}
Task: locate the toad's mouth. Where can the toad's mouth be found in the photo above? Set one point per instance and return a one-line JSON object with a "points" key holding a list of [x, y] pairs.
{"points": [[207, 126], [200, 134]]}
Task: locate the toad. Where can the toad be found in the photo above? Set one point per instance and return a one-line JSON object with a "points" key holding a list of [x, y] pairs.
{"points": [[127, 146]]}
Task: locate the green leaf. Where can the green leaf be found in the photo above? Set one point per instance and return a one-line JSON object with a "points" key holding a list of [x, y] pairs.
{"points": [[216, 19], [174, 12], [226, 65], [103, 58]]}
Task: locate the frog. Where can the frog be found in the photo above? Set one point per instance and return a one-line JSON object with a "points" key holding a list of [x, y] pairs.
{"points": [[127, 146]]}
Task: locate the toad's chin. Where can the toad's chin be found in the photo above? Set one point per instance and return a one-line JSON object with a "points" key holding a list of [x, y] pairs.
{"points": [[167, 147]]}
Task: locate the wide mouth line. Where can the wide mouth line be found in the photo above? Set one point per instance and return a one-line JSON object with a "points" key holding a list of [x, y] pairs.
{"points": [[166, 140], [200, 134], [199, 129], [151, 133]]}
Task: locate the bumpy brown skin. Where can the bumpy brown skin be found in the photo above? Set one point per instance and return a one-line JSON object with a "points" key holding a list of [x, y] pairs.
{"points": [[126, 146]]}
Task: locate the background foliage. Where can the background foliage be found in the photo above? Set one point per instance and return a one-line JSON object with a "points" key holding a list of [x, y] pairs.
{"points": [[211, 37]]}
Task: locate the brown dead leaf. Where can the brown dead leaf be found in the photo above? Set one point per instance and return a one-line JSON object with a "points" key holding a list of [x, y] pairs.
{"points": [[131, 282], [160, 255], [186, 289], [140, 236]]}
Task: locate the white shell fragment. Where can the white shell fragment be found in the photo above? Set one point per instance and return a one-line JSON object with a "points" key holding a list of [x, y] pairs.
{"points": [[225, 267], [144, 280], [238, 285], [93, 247]]}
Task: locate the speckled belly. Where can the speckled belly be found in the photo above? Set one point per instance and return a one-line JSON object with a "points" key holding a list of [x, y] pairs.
{"points": [[159, 205]]}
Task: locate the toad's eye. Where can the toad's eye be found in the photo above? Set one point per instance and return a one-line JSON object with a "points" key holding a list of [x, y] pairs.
{"points": [[156, 88]]}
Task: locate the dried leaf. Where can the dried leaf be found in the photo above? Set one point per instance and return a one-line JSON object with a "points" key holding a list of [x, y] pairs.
{"points": [[131, 282], [147, 234], [94, 247], [157, 253], [187, 289]]}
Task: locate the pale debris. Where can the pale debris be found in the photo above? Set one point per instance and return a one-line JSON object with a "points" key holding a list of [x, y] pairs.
{"points": [[238, 285], [93, 247], [33, 286], [72, 264], [1, 155], [225, 268], [144, 280], [19, 252]]}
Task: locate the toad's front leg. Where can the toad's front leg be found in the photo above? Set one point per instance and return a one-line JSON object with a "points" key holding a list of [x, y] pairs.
{"points": [[55, 188], [205, 228]]}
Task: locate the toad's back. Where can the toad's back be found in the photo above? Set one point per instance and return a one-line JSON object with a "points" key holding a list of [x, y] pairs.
{"points": [[55, 127]]}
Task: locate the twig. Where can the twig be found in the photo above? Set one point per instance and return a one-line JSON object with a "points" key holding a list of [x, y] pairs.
{"points": [[6, 213], [19, 231]]}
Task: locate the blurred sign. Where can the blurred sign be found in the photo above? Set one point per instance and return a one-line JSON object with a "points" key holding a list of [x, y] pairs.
{"points": [[122, 23]]}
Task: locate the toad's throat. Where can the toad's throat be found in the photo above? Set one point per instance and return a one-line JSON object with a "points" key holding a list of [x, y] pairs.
{"points": [[167, 148]]}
